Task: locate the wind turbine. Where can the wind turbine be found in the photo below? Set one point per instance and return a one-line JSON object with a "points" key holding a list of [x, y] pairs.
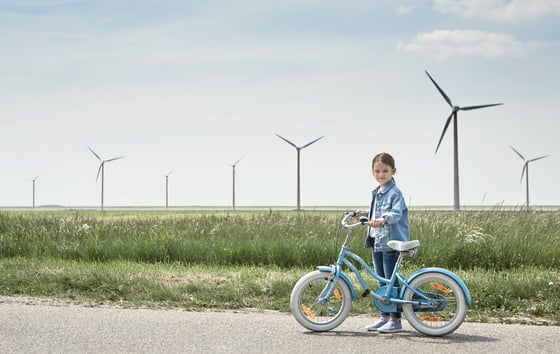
{"points": [[167, 189], [102, 171], [33, 180], [299, 148], [453, 115], [233, 167], [525, 172]]}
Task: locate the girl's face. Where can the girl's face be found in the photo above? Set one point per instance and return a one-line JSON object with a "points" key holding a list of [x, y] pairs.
{"points": [[383, 173]]}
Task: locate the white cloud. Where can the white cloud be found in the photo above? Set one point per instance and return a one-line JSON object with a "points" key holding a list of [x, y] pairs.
{"points": [[499, 10], [444, 44]]}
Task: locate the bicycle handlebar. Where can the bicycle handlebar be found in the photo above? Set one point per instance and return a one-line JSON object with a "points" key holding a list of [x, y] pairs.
{"points": [[351, 214]]}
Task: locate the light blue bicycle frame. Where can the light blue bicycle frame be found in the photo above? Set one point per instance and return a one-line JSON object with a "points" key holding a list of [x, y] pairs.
{"points": [[385, 294]]}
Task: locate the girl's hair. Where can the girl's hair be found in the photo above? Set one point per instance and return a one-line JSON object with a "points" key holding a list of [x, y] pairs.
{"points": [[384, 158]]}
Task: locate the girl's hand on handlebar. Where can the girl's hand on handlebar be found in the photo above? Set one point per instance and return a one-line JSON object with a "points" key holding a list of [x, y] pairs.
{"points": [[376, 223], [358, 214]]}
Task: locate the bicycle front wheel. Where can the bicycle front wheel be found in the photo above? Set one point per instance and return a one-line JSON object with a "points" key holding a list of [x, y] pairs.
{"points": [[314, 315], [442, 307]]}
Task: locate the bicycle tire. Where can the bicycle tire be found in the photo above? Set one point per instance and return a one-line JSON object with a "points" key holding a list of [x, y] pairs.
{"points": [[313, 315], [447, 311]]}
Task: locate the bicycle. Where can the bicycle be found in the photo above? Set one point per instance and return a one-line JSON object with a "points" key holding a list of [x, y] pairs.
{"points": [[434, 300]]}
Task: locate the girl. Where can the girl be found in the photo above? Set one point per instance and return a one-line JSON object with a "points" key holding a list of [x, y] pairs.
{"points": [[388, 216]]}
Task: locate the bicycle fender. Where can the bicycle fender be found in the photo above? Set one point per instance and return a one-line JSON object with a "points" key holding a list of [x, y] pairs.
{"points": [[446, 272], [328, 269]]}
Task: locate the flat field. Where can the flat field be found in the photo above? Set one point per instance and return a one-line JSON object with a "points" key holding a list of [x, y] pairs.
{"points": [[220, 259]]}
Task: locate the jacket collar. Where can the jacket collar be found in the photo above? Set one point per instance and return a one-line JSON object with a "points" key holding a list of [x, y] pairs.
{"points": [[389, 185]]}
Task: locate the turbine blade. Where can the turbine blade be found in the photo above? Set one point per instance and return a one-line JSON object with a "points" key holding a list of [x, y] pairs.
{"points": [[447, 99], [286, 140], [170, 172], [523, 171], [114, 158], [239, 159], [468, 108], [99, 171], [93, 152], [314, 141], [517, 152], [444, 130], [538, 158]]}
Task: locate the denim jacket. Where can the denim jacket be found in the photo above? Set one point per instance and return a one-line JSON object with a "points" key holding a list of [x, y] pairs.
{"points": [[389, 204]]}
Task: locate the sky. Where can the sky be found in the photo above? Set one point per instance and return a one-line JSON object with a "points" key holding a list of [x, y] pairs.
{"points": [[191, 86]]}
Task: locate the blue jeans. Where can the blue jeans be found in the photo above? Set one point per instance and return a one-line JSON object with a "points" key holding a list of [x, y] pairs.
{"points": [[384, 263]]}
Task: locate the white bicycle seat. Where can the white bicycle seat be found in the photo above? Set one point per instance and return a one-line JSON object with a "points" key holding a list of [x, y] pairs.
{"points": [[403, 246]]}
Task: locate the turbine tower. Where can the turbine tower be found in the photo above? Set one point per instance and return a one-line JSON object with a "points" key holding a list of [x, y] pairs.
{"points": [[33, 180], [299, 148], [167, 189], [233, 167], [102, 171], [525, 172], [453, 115]]}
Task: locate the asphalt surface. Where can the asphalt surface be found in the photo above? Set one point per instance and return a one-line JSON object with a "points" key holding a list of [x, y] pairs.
{"points": [[38, 326]]}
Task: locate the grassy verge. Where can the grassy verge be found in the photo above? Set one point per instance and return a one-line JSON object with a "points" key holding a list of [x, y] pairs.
{"points": [[231, 260], [527, 296]]}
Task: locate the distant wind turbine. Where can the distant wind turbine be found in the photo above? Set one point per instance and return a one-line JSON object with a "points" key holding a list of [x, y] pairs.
{"points": [[102, 171], [454, 110], [233, 167], [167, 189], [525, 172], [299, 148], [33, 180]]}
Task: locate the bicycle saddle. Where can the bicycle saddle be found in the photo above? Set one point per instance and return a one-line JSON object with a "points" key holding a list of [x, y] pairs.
{"points": [[403, 246]]}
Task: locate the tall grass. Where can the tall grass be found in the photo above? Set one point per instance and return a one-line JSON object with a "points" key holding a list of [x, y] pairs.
{"points": [[286, 240], [488, 240], [498, 241]]}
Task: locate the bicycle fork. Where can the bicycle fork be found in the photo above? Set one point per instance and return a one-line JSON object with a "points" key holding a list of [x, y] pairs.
{"points": [[330, 288]]}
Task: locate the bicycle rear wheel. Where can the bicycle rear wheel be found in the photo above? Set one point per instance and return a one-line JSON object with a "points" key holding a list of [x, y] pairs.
{"points": [[443, 306], [316, 316]]}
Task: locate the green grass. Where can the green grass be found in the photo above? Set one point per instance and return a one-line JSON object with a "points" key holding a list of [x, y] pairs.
{"points": [[489, 240], [153, 285], [228, 260]]}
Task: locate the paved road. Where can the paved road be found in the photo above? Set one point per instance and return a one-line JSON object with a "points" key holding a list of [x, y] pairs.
{"points": [[31, 326]]}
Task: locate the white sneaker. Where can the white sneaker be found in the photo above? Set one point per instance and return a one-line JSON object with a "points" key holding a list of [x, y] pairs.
{"points": [[391, 327], [376, 325]]}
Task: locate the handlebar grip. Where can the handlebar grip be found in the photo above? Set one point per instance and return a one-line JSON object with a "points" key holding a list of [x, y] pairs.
{"points": [[348, 215]]}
